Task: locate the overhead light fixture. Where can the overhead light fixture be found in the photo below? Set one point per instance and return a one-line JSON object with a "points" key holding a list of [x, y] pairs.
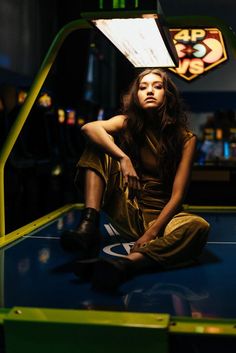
{"points": [[142, 37]]}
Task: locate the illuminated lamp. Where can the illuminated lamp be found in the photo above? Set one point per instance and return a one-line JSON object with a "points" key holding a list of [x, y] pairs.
{"points": [[22, 96], [142, 37], [71, 120], [80, 121], [61, 115], [45, 100]]}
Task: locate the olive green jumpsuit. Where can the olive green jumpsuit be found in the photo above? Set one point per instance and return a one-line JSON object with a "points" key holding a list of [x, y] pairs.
{"points": [[184, 237]]}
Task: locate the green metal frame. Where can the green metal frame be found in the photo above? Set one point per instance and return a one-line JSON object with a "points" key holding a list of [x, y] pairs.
{"points": [[51, 330], [214, 327], [210, 209], [117, 4], [45, 330], [25, 110], [38, 223]]}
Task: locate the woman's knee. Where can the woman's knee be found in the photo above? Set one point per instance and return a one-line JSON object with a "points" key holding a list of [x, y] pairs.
{"points": [[186, 223], [201, 224]]}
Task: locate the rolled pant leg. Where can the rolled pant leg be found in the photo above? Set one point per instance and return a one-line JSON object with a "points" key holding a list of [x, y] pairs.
{"points": [[182, 242], [124, 213]]}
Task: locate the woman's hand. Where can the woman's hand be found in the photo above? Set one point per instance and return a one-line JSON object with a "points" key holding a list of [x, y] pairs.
{"points": [[140, 242], [149, 235], [130, 176]]}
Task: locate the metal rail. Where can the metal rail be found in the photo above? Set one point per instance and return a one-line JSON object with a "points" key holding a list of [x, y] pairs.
{"points": [[25, 110]]}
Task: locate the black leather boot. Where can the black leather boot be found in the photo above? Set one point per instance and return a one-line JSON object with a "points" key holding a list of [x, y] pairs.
{"points": [[109, 274], [84, 269], [85, 238]]}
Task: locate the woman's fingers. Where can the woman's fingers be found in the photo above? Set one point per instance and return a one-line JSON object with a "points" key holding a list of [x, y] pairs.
{"points": [[134, 186], [130, 178], [125, 181], [135, 247]]}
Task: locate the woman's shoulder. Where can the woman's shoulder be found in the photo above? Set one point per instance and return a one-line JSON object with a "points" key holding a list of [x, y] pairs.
{"points": [[120, 119], [118, 116], [187, 135]]}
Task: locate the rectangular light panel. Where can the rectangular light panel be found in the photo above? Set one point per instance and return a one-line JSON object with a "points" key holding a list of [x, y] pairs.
{"points": [[139, 39]]}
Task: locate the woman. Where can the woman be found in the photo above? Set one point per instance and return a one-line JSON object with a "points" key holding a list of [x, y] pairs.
{"points": [[140, 182]]}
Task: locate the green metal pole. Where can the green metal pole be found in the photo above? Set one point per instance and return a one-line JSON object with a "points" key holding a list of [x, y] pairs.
{"points": [[25, 110], [2, 272], [117, 4]]}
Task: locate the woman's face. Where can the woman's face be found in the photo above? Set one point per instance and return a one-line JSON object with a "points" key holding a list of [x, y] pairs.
{"points": [[151, 91]]}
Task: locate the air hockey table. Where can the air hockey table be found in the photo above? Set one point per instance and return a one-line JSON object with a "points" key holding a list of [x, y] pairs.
{"points": [[45, 307]]}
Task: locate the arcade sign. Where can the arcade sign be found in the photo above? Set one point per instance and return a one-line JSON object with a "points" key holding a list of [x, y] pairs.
{"points": [[199, 50]]}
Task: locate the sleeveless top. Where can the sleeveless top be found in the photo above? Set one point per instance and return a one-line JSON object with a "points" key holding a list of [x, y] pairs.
{"points": [[149, 157], [154, 194]]}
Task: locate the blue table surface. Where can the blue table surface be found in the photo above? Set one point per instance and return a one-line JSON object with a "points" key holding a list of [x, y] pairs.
{"points": [[38, 273]]}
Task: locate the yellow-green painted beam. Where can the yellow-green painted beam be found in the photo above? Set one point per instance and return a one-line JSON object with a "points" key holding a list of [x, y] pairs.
{"points": [[202, 326], [210, 209], [25, 110], [44, 330], [52, 330], [90, 317], [40, 222]]}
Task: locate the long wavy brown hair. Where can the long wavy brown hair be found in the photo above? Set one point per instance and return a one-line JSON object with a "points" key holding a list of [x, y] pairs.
{"points": [[169, 126]]}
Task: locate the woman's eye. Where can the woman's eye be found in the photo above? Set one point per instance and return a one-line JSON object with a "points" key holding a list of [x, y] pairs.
{"points": [[142, 88]]}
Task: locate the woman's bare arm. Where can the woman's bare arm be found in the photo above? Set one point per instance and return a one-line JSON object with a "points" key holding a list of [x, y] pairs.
{"points": [[99, 133]]}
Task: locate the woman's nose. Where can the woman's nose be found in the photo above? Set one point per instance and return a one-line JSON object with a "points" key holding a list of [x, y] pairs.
{"points": [[150, 90]]}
